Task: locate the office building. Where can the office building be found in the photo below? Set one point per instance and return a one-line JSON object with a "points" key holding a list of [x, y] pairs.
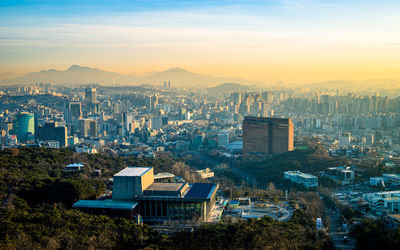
{"points": [[51, 132], [392, 178], [298, 177], [151, 103], [136, 194], [75, 110], [25, 126], [342, 175], [389, 201], [90, 96], [88, 128], [267, 135], [345, 139]]}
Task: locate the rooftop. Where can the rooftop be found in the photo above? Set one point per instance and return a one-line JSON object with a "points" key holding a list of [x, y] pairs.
{"points": [[201, 190], [165, 186], [109, 204], [75, 165], [392, 175], [298, 173], [163, 175], [165, 189], [133, 171]]}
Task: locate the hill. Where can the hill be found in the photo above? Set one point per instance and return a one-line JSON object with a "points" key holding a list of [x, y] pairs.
{"points": [[35, 211], [227, 88], [82, 75]]}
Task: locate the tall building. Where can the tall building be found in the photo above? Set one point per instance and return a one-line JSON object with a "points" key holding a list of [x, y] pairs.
{"points": [[75, 110], [151, 103], [88, 128], [72, 112], [90, 95], [267, 135], [51, 132], [25, 126]]}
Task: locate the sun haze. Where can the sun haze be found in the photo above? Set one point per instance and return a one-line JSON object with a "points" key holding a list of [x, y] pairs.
{"points": [[298, 41]]}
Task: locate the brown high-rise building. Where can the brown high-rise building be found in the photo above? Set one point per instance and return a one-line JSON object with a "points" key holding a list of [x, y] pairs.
{"points": [[267, 135]]}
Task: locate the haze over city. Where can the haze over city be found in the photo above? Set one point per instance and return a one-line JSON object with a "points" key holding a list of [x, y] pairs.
{"points": [[242, 124], [265, 41]]}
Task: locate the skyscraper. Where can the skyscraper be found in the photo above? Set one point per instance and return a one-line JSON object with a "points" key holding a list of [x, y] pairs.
{"points": [[267, 135], [75, 110], [88, 127], [25, 126], [90, 95], [51, 132]]}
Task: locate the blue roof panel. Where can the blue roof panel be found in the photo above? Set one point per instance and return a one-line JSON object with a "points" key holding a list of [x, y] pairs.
{"points": [[110, 204], [201, 191]]}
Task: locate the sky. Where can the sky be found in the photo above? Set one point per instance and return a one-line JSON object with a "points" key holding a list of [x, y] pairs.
{"points": [[276, 40]]}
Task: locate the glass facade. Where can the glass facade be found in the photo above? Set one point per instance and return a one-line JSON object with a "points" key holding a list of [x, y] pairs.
{"points": [[25, 126]]}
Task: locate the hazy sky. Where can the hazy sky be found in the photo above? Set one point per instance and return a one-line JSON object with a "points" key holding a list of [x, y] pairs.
{"points": [[302, 40]]}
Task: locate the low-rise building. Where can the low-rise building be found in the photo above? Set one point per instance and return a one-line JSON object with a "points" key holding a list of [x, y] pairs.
{"points": [[304, 179], [341, 175], [393, 179], [376, 181], [380, 201], [74, 167], [155, 202], [205, 173]]}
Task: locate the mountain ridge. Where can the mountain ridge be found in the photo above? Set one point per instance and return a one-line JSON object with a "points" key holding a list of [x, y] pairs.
{"points": [[76, 74]]}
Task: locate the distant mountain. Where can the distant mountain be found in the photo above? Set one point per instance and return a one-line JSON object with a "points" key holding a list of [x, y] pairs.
{"points": [[81, 75], [8, 75], [74, 74], [227, 88]]}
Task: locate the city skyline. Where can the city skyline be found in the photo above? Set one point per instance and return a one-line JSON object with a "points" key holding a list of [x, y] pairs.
{"points": [[294, 41]]}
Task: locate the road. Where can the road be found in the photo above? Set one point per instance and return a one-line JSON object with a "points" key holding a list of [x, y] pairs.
{"points": [[340, 235]]}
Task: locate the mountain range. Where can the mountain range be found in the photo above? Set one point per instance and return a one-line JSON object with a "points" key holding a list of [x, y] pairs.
{"points": [[82, 75], [177, 76]]}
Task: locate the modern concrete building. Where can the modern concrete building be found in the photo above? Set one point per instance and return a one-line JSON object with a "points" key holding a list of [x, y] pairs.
{"points": [[392, 179], [90, 95], [136, 194], [375, 181], [380, 201], [130, 182], [298, 177], [51, 132], [267, 135], [341, 175], [87, 127], [205, 173]]}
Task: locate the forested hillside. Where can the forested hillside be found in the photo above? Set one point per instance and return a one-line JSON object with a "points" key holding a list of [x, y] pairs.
{"points": [[36, 197]]}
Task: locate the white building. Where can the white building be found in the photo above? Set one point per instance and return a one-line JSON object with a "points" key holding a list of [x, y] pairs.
{"points": [[393, 179], [342, 175], [375, 181], [383, 200], [345, 139], [74, 167], [205, 173], [298, 177]]}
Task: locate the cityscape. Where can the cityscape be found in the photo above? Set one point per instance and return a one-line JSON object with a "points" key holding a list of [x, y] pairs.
{"points": [[93, 156]]}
